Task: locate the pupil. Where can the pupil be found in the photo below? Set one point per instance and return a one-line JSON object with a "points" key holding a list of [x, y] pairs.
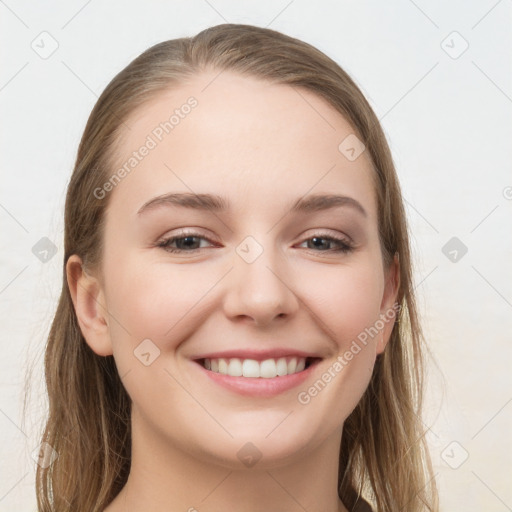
{"points": [[316, 238], [184, 240]]}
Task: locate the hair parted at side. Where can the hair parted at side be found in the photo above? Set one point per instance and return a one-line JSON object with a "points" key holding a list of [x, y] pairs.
{"points": [[384, 455]]}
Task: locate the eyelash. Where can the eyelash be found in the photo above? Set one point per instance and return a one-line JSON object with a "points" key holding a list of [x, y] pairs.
{"points": [[345, 245]]}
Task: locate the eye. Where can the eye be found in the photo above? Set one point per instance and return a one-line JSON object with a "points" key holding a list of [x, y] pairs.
{"points": [[187, 242], [321, 240], [191, 242]]}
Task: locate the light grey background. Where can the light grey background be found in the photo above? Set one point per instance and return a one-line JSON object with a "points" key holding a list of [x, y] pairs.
{"points": [[448, 117]]}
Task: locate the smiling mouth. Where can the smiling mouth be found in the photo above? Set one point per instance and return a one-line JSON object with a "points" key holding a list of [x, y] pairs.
{"points": [[251, 368]]}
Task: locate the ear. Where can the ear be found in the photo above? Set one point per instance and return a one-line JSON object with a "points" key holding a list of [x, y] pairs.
{"points": [[388, 309], [90, 306]]}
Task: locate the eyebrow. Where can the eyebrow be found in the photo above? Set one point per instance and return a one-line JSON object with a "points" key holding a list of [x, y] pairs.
{"points": [[215, 203]]}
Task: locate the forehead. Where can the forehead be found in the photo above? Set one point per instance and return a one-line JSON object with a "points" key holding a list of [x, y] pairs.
{"points": [[243, 137]]}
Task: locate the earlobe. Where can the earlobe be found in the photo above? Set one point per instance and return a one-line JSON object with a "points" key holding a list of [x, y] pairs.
{"points": [[388, 309], [90, 307]]}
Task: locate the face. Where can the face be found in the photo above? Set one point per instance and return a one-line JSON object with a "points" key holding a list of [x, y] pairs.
{"points": [[270, 273]]}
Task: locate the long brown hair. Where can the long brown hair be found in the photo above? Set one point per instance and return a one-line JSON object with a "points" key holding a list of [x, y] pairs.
{"points": [[384, 455]]}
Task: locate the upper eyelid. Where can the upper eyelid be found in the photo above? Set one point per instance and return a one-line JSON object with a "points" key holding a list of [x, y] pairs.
{"points": [[185, 233], [191, 232]]}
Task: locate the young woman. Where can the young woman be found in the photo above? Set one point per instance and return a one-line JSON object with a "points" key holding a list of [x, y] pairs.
{"points": [[237, 327]]}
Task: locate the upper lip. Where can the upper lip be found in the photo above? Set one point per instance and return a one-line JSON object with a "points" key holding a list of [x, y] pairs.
{"points": [[257, 355]]}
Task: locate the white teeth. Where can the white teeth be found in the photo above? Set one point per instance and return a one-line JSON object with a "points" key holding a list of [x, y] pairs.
{"points": [[267, 369], [223, 366], [281, 366], [250, 368], [235, 368]]}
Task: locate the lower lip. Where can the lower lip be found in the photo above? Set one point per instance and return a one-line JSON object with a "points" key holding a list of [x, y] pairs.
{"points": [[251, 386]]}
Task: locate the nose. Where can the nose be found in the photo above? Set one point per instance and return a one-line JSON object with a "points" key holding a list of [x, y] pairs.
{"points": [[262, 291]]}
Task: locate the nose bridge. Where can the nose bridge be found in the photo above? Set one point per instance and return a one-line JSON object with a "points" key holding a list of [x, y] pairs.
{"points": [[259, 286]]}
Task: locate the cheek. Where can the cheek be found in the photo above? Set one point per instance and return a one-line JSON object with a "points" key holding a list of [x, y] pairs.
{"points": [[345, 299], [156, 301], [346, 303], [153, 308]]}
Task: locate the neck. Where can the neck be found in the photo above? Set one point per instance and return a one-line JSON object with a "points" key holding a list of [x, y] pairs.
{"points": [[163, 478]]}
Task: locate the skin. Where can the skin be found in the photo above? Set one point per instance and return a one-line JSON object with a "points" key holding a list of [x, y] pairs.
{"points": [[260, 146]]}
